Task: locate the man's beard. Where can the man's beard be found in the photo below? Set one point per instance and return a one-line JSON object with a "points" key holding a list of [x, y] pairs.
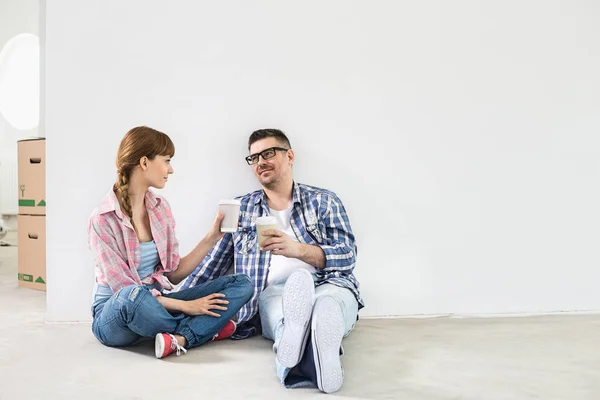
{"points": [[271, 184]]}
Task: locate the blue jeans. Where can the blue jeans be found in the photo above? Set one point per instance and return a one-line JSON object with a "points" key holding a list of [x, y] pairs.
{"points": [[133, 313], [271, 317]]}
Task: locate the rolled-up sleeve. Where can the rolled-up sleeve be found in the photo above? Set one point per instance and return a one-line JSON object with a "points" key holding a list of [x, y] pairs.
{"points": [[339, 246]]}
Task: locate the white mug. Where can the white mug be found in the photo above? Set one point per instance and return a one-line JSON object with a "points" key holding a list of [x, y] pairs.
{"points": [[231, 210]]}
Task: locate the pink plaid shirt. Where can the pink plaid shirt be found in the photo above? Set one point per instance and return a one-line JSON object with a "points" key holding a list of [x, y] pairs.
{"points": [[116, 247]]}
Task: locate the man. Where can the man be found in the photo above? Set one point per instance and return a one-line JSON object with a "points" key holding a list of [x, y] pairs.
{"points": [[306, 294]]}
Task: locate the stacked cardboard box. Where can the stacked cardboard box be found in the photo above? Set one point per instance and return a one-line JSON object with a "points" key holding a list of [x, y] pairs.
{"points": [[31, 222]]}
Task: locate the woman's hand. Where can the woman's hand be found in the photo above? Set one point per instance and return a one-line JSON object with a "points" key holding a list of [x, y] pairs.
{"points": [[215, 234], [203, 305]]}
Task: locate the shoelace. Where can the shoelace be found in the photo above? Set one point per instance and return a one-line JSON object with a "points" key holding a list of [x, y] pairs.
{"points": [[177, 346]]}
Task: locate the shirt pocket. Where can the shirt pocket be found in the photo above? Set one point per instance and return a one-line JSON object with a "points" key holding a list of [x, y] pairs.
{"points": [[314, 230], [244, 242]]}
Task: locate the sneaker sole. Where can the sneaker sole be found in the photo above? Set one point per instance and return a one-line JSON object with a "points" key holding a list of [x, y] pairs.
{"points": [[159, 345], [327, 334], [298, 299]]}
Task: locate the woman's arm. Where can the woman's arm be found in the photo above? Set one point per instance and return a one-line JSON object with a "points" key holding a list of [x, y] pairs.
{"points": [[201, 306], [172, 305], [188, 263]]}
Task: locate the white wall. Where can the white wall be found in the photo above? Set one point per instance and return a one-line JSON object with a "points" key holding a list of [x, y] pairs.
{"points": [[462, 136], [16, 16]]}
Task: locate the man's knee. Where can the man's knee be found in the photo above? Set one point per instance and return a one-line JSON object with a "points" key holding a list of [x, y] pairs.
{"points": [[245, 284], [243, 279]]}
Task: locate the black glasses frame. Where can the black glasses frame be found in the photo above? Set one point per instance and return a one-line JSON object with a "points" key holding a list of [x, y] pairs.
{"points": [[255, 158]]}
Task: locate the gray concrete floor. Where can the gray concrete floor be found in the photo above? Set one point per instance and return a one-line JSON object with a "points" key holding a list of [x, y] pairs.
{"points": [[549, 357]]}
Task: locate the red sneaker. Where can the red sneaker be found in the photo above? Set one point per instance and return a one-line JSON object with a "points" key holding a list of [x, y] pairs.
{"points": [[165, 344], [226, 331]]}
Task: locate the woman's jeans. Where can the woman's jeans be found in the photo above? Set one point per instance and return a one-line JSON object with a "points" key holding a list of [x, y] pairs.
{"points": [[134, 313]]}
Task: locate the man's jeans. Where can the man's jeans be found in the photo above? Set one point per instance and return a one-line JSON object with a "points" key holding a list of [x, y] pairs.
{"points": [[271, 316], [133, 313]]}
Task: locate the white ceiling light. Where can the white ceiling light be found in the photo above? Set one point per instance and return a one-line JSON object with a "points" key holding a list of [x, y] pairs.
{"points": [[20, 81]]}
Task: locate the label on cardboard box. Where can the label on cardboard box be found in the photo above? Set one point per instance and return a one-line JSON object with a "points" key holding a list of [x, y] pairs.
{"points": [[29, 278], [32, 176]]}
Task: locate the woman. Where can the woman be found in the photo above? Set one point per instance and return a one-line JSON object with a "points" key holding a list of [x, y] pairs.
{"points": [[132, 236]]}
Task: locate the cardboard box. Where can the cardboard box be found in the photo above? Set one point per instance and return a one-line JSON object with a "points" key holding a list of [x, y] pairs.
{"points": [[32, 176], [31, 231]]}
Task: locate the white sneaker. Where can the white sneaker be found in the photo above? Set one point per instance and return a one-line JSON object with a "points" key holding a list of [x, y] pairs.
{"points": [[298, 299], [327, 331]]}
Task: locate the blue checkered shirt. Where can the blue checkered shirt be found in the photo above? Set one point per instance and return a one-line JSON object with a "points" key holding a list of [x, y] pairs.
{"points": [[318, 218]]}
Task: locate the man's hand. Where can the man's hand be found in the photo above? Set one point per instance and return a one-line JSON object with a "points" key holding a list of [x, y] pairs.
{"points": [[279, 243], [203, 305]]}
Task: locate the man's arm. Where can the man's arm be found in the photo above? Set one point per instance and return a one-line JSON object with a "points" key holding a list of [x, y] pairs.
{"points": [[313, 255], [339, 244], [278, 243], [337, 253]]}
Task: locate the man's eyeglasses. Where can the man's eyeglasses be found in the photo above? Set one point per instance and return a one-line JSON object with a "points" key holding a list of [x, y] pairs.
{"points": [[265, 154]]}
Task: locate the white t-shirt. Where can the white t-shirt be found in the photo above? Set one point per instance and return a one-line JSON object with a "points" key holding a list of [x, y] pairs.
{"points": [[281, 266]]}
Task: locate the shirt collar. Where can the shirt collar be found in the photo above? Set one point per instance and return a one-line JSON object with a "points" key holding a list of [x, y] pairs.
{"points": [[111, 203], [262, 197]]}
